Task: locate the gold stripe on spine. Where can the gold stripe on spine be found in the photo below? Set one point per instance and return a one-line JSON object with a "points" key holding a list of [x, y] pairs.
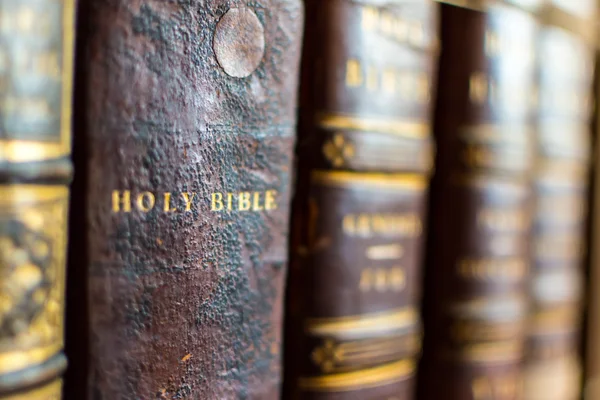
{"points": [[51, 391], [364, 324], [32, 274], [495, 352], [397, 127], [362, 379], [15, 150], [357, 179], [564, 318]]}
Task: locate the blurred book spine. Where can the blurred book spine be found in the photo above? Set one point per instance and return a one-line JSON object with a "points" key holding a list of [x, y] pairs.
{"points": [[36, 45], [552, 363], [365, 156], [591, 346], [476, 300]]}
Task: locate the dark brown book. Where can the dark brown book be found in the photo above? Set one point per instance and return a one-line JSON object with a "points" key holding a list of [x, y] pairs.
{"points": [[476, 293], [187, 119], [365, 157], [36, 57], [552, 365]]}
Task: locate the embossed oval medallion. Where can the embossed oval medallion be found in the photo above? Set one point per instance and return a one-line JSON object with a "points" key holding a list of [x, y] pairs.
{"points": [[239, 42]]}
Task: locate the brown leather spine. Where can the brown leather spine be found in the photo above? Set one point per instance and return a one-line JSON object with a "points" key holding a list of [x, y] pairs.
{"points": [[189, 125], [36, 64], [553, 370], [364, 163], [478, 255]]}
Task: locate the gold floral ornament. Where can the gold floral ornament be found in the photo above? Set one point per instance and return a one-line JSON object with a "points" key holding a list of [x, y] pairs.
{"points": [[337, 150], [327, 355], [25, 280]]}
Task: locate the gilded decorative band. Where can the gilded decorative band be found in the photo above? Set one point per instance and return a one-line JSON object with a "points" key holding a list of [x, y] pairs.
{"points": [[33, 223], [51, 391], [490, 353], [397, 127], [363, 325], [362, 379], [358, 179]]}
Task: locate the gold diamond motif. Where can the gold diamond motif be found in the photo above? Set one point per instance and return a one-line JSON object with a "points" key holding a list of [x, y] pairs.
{"points": [[327, 355], [338, 150]]}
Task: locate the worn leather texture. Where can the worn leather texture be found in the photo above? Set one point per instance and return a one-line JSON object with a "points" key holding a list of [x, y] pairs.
{"points": [[477, 268], [187, 122], [561, 191], [365, 156]]}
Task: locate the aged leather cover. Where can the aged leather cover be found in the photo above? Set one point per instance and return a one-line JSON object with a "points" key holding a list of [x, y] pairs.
{"points": [[188, 123], [359, 211], [553, 370], [36, 53], [475, 295]]}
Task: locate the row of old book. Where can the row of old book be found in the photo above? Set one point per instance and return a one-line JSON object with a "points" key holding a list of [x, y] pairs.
{"points": [[328, 200]]}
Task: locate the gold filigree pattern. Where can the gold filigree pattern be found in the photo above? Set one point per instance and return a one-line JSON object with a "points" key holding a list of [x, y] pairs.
{"points": [[32, 274], [338, 150]]}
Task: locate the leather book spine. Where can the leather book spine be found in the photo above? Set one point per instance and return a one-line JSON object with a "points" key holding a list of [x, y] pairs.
{"points": [[477, 269], [365, 156], [552, 365], [36, 53], [189, 125]]}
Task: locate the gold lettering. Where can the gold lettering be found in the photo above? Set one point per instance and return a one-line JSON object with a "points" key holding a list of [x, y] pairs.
{"points": [[145, 201], [188, 198], [353, 73], [216, 203], [370, 18], [478, 88], [492, 268], [382, 280], [256, 206], [389, 224], [407, 84], [244, 203], [393, 26], [229, 200], [117, 200], [503, 220], [270, 203], [167, 205]]}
